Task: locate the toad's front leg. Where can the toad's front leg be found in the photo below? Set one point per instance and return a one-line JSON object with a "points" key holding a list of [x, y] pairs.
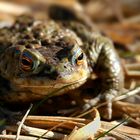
{"points": [[106, 64]]}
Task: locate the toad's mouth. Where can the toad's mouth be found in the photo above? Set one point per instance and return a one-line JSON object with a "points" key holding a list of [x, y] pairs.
{"points": [[56, 85], [52, 90], [67, 87]]}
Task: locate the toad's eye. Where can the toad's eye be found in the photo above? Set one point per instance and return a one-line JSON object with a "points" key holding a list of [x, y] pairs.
{"points": [[79, 59], [27, 63]]}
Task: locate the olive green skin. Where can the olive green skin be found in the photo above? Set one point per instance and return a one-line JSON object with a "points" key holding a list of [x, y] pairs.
{"points": [[55, 50]]}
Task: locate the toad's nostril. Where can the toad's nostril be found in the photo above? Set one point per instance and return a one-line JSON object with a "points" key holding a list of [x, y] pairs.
{"points": [[65, 66]]}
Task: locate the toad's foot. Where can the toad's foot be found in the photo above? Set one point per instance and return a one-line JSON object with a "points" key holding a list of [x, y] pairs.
{"points": [[103, 101]]}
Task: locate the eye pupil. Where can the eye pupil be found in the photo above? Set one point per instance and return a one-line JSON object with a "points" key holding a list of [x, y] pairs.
{"points": [[80, 57], [26, 62]]}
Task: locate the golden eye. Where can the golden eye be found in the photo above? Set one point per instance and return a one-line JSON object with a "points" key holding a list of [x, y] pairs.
{"points": [[79, 60], [26, 62]]}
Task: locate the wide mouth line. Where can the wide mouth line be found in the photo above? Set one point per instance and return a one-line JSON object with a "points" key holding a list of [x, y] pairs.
{"points": [[55, 85]]}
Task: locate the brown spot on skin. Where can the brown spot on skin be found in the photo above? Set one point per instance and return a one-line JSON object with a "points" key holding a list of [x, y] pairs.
{"points": [[22, 42], [44, 42], [29, 46], [28, 36]]}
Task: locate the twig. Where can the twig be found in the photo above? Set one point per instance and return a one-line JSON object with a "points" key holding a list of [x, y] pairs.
{"points": [[54, 118], [133, 73], [135, 66], [39, 132], [132, 84], [128, 94], [134, 19], [53, 128], [11, 8], [12, 137], [132, 69], [21, 123], [69, 123]]}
